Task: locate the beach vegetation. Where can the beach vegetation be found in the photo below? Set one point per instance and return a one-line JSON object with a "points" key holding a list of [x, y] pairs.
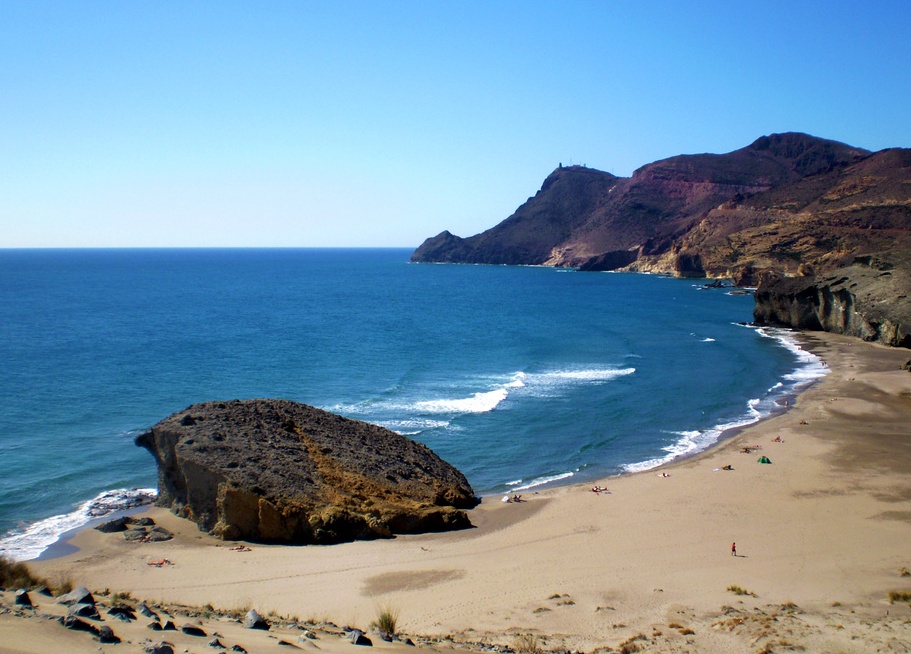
{"points": [[527, 644], [386, 621], [62, 585], [904, 572], [737, 590], [119, 597], [239, 611], [899, 596], [17, 575], [631, 644]]}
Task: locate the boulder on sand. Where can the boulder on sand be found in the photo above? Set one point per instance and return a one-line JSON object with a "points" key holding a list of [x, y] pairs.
{"points": [[254, 620], [80, 595], [279, 471]]}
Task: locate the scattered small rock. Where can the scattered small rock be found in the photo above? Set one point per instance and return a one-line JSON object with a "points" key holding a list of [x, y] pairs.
{"points": [[122, 612], [169, 626], [193, 630], [107, 635], [84, 611], [80, 595], [22, 598], [113, 526], [147, 535], [146, 611], [254, 620], [74, 623], [160, 648], [238, 648], [154, 626], [357, 637], [215, 643]]}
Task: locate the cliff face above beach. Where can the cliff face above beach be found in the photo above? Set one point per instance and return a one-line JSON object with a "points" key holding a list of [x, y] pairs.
{"points": [[867, 300], [787, 205], [279, 471]]}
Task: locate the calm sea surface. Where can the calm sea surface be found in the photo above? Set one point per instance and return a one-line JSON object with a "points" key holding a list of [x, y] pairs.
{"points": [[518, 376]]}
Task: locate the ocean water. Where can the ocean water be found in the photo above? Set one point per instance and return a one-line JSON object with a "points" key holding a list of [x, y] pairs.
{"points": [[518, 376]]}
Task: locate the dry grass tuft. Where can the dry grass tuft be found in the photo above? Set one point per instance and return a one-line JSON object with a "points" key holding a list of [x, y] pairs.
{"points": [[526, 644], [17, 575], [386, 621], [899, 596], [737, 590], [631, 644]]}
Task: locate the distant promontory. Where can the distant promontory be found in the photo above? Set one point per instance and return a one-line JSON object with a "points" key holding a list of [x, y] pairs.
{"points": [[786, 206]]}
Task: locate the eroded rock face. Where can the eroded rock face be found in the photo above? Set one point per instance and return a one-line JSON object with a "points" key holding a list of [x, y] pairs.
{"points": [[279, 471], [872, 302]]}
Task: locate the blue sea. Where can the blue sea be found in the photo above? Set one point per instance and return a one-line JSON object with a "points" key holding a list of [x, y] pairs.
{"points": [[521, 377]]}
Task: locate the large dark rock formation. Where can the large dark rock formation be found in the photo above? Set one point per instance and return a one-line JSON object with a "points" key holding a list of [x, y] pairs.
{"points": [[279, 471], [786, 206]]}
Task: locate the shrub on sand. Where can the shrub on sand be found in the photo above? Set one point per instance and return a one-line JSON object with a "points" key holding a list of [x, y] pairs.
{"points": [[526, 644], [737, 590], [386, 620], [17, 575], [899, 596]]}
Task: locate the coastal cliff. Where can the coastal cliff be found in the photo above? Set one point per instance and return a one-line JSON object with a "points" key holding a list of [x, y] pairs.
{"points": [[279, 471], [805, 219], [866, 300]]}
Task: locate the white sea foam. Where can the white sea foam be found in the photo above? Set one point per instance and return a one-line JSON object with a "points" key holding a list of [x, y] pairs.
{"points": [[477, 403], [412, 417], [410, 427], [809, 368], [540, 481], [531, 383], [708, 339], [593, 375], [31, 541]]}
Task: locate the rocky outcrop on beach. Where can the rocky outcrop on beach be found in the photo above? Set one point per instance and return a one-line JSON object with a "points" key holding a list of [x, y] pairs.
{"points": [[786, 206], [279, 471]]}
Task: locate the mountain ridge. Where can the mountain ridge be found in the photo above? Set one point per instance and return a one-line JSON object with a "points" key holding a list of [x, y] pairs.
{"points": [[785, 205]]}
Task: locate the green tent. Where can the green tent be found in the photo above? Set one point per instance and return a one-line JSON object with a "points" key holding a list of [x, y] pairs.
{"points": [[764, 459]]}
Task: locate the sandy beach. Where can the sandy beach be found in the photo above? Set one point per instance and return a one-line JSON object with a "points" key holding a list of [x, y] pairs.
{"points": [[822, 536]]}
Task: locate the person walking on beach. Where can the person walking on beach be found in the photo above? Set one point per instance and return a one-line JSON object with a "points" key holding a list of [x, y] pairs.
{"points": [[733, 549]]}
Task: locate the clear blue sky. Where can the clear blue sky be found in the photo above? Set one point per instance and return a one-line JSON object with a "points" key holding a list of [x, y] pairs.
{"points": [[382, 123]]}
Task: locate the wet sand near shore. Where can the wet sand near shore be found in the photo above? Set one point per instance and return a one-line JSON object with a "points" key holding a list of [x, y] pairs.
{"points": [[822, 537]]}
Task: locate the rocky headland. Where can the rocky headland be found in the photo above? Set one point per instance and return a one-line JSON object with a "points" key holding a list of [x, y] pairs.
{"points": [[283, 472], [787, 206]]}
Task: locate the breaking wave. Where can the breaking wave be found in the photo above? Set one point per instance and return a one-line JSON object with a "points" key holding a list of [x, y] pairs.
{"points": [[31, 541]]}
